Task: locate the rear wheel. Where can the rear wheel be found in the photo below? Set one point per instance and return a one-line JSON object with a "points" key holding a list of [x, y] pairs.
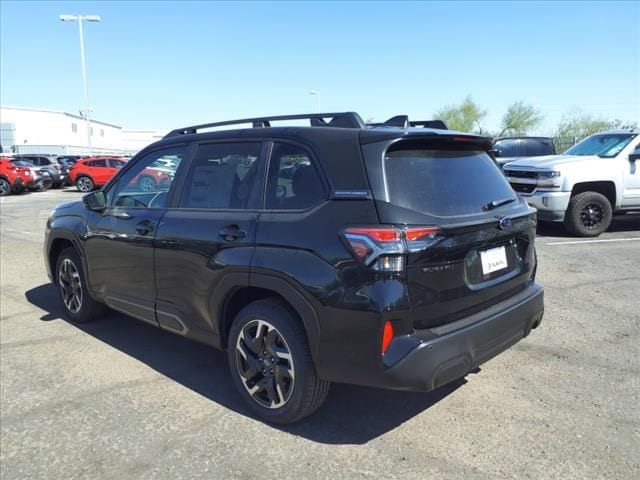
{"points": [[78, 304], [5, 187], [147, 184], [589, 214], [85, 184], [271, 363]]}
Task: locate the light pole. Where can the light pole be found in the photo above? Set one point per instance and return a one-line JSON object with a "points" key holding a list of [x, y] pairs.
{"points": [[317, 94], [85, 113]]}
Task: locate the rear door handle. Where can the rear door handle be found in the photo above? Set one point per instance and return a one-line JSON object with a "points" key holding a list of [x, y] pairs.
{"points": [[144, 227], [232, 232]]}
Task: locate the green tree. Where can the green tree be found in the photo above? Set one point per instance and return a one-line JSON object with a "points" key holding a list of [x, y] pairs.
{"points": [[519, 119], [466, 117]]}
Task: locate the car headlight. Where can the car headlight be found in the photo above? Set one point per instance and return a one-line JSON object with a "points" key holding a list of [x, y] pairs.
{"points": [[548, 174]]}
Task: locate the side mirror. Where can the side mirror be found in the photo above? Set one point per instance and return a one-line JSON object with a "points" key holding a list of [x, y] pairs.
{"points": [[496, 153], [95, 201], [635, 155]]}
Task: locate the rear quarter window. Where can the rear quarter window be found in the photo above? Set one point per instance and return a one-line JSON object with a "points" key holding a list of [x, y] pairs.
{"points": [[444, 182]]}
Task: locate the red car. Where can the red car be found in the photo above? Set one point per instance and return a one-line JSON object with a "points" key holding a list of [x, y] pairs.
{"points": [[13, 178], [89, 173]]}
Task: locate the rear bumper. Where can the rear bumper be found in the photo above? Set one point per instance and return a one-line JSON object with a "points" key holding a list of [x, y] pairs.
{"points": [[453, 350]]}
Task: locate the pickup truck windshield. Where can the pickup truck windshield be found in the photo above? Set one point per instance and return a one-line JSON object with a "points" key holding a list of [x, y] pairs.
{"points": [[605, 145]]}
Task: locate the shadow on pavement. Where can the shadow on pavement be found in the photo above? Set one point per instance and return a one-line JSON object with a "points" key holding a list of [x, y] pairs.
{"points": [[620, 223], [351, 414]]}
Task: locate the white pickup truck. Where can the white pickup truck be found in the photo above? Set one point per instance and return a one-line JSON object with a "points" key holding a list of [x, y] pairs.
{"points": [[585, 185]]}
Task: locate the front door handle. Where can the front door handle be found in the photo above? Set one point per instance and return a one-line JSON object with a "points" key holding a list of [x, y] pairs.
{"points": [[232, 232], [144, 227]]}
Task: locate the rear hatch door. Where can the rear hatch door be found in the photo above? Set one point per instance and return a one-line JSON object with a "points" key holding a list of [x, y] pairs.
{"points": [[483, 251]]}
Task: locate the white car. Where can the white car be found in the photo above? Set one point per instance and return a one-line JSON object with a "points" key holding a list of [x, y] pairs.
{"points": [[584, 186]]}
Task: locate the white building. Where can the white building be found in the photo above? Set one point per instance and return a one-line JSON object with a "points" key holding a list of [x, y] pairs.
{"points": [[32, 130]]}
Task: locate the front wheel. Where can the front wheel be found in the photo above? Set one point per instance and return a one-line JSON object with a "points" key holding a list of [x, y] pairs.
{"points": [[85, 184], [271, 364], [78, 304], [147, 184], [589, 214], [5, 187]]}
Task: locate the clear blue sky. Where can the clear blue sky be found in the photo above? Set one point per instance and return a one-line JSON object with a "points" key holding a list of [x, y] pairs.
{"points": [[167, 64]]}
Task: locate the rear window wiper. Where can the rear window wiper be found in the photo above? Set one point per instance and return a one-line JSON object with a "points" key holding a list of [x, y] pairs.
{"points": [[498, 203]]}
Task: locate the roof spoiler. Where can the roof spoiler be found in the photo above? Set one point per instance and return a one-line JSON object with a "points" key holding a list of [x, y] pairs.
{"points": [[402, 121]]}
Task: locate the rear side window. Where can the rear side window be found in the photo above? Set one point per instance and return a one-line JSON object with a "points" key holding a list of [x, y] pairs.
{"points": [[444, 183], [534, 148], [294, 182], [97, 163], [222, 176]]}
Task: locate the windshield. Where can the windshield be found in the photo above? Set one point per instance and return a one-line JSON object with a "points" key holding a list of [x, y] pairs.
{"points": [[605, 145]]}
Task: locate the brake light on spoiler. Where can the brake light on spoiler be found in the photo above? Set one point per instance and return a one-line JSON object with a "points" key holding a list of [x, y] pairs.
{"points": [[384, 248]]}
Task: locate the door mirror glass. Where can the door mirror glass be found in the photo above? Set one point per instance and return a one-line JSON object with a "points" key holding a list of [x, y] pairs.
{"points": [[635, 155], [95, 201]]}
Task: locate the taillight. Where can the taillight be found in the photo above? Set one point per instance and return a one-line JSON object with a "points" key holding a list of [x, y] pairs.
{"points": [[387, 336], [384, 248]]}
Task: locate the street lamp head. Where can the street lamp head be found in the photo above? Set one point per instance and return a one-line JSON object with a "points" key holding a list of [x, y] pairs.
{"points": [[313, 92], [68, 18], [92, 18]]}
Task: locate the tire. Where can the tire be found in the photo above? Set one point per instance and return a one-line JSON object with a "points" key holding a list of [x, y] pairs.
{"points": [[78, 305], [5, 187], [589, 214], [300, 391], [85, 184], [147, 184]]}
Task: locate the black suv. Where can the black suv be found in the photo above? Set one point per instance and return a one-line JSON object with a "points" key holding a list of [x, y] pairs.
{"points": [[58, 170], [388, 256], [508, 149]]}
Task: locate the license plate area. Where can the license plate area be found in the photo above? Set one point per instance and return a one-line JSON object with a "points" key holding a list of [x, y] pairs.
{"points": [[493, 260]]}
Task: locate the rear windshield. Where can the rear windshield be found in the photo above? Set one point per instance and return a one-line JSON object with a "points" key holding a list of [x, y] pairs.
{"points": [[444, 183]]}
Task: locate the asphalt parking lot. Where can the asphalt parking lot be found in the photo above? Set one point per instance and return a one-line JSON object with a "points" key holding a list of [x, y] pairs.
{"points": [[120, 399]]}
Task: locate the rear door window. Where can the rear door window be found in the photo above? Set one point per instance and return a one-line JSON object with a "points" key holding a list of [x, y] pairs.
{"points": [[294, 182], [533, 148], [507, 148], [444, 182]]}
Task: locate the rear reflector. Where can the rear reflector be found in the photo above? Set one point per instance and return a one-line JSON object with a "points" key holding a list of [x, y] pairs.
{"points": [[387, 335]]}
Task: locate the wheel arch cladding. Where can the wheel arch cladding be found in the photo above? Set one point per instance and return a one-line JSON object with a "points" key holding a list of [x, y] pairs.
{"points": [[606, 188], [263, 287]]}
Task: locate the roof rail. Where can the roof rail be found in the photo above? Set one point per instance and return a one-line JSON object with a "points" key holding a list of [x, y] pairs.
{"points": [[337, 120], [403, 121]]}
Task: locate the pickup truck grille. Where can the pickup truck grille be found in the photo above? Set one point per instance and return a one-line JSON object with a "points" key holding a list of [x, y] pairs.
{"points": [[523, 187], [520, 174]]}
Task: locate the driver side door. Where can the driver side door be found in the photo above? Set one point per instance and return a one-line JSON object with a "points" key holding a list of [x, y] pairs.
{"points": [[120, 240]]}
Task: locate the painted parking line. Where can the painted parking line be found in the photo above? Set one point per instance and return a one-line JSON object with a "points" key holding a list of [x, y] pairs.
{"points": [[607, 240]]}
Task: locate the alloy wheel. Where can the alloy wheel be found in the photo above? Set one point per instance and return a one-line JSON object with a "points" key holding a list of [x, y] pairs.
{"points": [[5, 188], [147, 184], [70, 285], [85, 184], [591, 215], [265, 364]]}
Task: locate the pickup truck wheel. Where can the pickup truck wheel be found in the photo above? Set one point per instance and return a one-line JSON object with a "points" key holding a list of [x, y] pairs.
{"points": [[5, 187], [589, 214], [271, 365], [78, 305]]}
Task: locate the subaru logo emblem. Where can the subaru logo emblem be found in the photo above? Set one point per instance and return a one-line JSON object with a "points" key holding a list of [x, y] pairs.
{"points": [[505, 222]]}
